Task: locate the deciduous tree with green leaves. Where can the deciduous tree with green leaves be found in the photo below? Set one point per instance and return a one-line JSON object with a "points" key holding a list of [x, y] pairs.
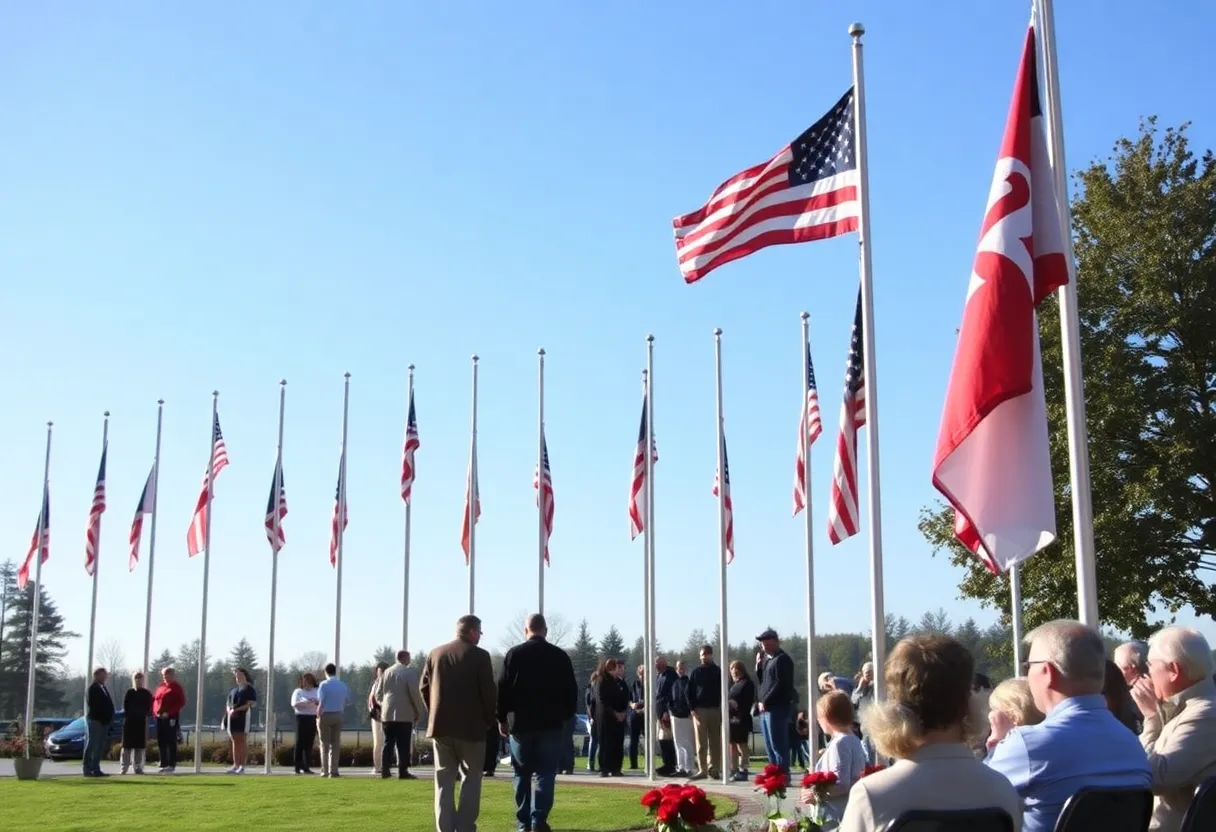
{"points": [[1144, 224]]}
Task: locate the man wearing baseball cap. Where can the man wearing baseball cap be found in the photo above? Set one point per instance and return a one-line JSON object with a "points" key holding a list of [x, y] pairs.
{"points": [[775, 701]]}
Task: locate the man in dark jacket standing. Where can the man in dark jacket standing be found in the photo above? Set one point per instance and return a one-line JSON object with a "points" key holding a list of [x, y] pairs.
{"points": [[664, 694], [98, 716], [705, 699], [537, 696], [776, 697]]}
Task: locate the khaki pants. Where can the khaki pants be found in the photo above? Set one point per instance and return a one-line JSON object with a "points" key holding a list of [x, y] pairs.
{"points": [[458, 760], [330, 729], [377, 745], [708, 725]]}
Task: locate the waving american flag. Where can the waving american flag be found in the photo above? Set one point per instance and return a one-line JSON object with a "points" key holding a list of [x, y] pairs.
{"points": [[93, 533], [810, 425], [843, 520]]}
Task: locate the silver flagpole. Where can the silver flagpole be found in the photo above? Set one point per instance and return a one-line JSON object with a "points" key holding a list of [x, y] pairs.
{"points": [[341, 526], [201, 684], [1070, 341], [649, 646], [473, 494], [36, 603], [405, 589], [105, 440], [723, 639], [160, 412], [646, 513], [540, 485], [274, 580], [1015, 606], [878, 619], [812, 686]]}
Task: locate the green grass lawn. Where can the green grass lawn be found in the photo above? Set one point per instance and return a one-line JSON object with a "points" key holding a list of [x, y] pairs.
{"points": [[253, 802]]}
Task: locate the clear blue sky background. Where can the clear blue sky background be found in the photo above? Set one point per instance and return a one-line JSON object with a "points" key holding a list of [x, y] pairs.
{"points": [[219, 195]]}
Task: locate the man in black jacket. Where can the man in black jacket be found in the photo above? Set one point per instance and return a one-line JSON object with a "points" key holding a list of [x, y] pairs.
{"points": [[681, 724], [664, 694], [98, 716], [537, 695], [776, 698], [705, 699], [637, 715]]}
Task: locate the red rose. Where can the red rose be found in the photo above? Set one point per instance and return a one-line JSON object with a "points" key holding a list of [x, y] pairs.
{"points": [[819, 778], [652, 798], [698, 812], [772, 769], [669, 810]]}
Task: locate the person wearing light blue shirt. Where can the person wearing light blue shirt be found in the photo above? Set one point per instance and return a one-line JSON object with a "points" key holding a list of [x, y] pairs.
{"points": [[332, 696], [1080, 743]]}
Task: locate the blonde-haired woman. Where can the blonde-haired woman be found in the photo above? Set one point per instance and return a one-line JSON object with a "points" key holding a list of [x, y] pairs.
{"points": [[925, 722], [1010, 705], [742, 698], [137, 708]]}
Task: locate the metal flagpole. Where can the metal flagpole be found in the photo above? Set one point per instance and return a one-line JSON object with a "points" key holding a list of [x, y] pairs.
{"points": [[105, 441], [471, 508], [646, 467], [723, 639], [540, 485], [878, 619], [812, 686], [36, 602], [200, 685], [274, 580], [1070, 341], [405, 590], [1015, 606], [341, 526], [160, 412], [649, 651]]}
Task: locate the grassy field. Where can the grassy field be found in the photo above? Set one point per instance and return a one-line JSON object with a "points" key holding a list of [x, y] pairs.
{"points": [[250, 802]]}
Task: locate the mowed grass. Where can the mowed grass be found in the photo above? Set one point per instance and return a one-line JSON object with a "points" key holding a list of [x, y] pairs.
{"points": [[285, 802]]}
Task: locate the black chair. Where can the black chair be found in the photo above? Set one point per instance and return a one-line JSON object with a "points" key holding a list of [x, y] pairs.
{"points": [[1202, 814], [954, 820], [1110, 810]]}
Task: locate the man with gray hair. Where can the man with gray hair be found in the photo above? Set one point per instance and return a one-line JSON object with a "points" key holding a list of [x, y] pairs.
{"points": [[1080, 743], [1181, 752], [1131, 657]]}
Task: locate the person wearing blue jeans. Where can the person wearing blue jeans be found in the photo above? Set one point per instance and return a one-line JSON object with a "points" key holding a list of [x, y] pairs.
{"points": [[537, 697], [776, 698], [99, 713]]}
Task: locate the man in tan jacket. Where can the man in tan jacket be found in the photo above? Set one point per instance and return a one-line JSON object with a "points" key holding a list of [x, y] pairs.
{"points": [[458, 689], [400, 709], [1182, 752]]}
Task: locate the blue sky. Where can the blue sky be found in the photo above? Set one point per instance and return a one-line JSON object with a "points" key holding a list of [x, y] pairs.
{"points": [[219, 195]]}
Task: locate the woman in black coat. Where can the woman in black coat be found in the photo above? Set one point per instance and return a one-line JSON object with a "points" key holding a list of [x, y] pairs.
{"points": [[742, 699], [137, 707], [611, 705]]}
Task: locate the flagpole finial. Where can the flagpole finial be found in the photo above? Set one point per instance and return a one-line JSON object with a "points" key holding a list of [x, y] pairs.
{"points": [[475, 358], [346, 376], [410, 368], [540, 351], [106, 414], [650, 338], [805, 316], [160, 402], [717, 332], [215, 394], [856, 30], [50, 424], [282, 382]]}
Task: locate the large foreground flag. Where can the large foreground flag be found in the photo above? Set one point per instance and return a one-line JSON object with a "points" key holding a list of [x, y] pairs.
{"points": [[276, 509], [993, 461], [728, 539], [472, 509], [98, 506], [137, 525], [843, 514], [810, 425], [44, 525], [808, 191], [341, 518], [639, 511], [412, 444], [196, 535], [544, 485]]}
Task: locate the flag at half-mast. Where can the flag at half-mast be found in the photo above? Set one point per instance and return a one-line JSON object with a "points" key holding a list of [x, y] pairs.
{"points": [[639, 510], [137, 524], [411, 445], [340, 519], [196, 535], [276, 509], [993, 461], [728, 508], [544, 485], [472, 507], [40, 541], [808, 191], [843, 515], [96, 508], [810, 425]]}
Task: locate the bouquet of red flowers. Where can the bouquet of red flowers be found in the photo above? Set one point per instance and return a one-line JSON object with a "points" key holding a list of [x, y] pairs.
{"points": [[677, 808], [815, 787], [772, 781]]}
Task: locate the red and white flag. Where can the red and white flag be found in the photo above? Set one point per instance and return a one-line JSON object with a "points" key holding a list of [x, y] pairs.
{"points": [[728, 508], [993, 460], [843, 516], [545, 492], [40, 541], [137, 525], [93, 533], [810, 425], [638, 509], [472, 508], [196, 535], [412, 444], [341, 517]]}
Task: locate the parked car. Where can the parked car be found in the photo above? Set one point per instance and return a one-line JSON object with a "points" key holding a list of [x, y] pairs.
{"points": [[68, 742]]}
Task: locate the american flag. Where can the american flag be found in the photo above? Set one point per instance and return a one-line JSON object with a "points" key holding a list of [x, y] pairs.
{"points": [[546, 494], [137, 525], [729, 541], [276, 509], [44, 529], [638, 509], [93, 533], [810, 425], [472, 507], [842, 512], [407, 452], [808, 191], [196, 536], [341, 517]]}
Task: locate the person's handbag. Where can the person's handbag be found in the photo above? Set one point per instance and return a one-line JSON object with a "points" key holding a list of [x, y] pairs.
{"points": [[373, 713]]}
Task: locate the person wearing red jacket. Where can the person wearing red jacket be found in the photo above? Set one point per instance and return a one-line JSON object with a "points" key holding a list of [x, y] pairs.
{"points": [[167, 705]]}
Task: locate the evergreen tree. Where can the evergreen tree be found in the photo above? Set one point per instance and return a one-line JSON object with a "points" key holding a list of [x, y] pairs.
{"points": [[8, 592], [242, 655], [15, 656], [612, 646], [692, 647], [165, 659], [583, 657], [386, 653]]}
